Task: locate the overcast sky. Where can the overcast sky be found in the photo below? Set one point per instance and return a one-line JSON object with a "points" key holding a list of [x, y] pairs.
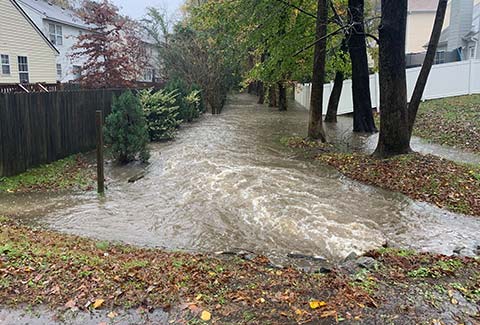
{"points": [[136, 8]]}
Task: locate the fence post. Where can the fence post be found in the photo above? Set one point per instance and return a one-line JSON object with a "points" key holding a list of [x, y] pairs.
{"points": [[470, 77], [100, 163]]}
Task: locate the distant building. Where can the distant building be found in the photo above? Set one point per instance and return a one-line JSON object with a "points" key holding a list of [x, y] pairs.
{"points": [[420, 20], [461, 33], [62, 27], [27, 56]]}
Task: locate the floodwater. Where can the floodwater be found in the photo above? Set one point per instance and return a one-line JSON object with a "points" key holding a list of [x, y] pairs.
{"points": [[228, 183]]}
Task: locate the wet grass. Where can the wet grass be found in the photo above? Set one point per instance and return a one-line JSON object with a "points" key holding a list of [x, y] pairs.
{"points": [[446, 184], [451, 121], [454, 122], [66, 174], [45, 268]]}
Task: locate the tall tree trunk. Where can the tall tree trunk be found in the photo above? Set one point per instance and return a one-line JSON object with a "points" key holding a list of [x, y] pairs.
{"points": [[282, 97], [427, 64], [261, 93], [251, 87], [272, 96], [362, 104], [334, 100], [315, 125], [394, 129]]}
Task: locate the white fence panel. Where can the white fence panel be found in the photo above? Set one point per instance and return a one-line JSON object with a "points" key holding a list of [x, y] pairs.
{"points": [[445, 80], [475, 77]]}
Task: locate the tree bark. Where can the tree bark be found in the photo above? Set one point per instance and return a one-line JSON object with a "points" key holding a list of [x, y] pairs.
{"points": [[261, 93], [334, 100], [362, 104], [282, 97], [427, 64], [394, 136], [272, 96], [315, 125]]}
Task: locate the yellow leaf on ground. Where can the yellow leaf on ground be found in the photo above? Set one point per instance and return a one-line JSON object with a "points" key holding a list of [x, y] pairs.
{"points": [[299, 312], [206, 316], [199, 297], [314, 304], [98, 303], [112, 315]]}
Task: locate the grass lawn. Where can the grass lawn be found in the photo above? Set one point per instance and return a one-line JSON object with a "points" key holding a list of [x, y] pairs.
{"points": [[66, 174], [68, 273], [451, 121]]}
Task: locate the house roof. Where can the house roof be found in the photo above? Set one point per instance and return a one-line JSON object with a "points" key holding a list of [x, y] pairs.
{"points": [[24, 14], [55, 13], [422, 5]]}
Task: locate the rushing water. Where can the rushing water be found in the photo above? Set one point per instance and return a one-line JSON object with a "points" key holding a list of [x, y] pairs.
{"points": [[227, 183]]}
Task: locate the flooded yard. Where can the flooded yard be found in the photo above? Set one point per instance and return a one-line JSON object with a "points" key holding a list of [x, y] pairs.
{"points": [[228, 183]]}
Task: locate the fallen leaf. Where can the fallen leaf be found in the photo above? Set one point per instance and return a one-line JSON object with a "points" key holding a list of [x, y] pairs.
{"points": [[330, 313], [314, 304], [70, 304], [98, 303], [206, 316], [112, 315]]}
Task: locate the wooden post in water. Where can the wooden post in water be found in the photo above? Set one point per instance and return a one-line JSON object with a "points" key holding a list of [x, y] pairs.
{"points": [[100, 163]]}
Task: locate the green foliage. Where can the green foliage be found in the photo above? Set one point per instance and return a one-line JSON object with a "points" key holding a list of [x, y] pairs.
{"points": [[201, 54], [162, 113], [188, 100], [67, 173], [126, 129]]}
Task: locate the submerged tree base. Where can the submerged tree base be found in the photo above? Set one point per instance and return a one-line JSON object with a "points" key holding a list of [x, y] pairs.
{"points": [[446, 184], [67, 274]]}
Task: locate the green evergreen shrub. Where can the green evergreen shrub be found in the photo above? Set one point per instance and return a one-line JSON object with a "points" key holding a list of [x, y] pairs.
{"points": [[188, 110], [163, 117], [126, 130]]}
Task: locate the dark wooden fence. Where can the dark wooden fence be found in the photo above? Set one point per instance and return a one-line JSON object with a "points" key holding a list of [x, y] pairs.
{"points": [[38, 128]]}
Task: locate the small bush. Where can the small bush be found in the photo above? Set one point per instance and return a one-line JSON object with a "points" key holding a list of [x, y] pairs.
{"points": [[188, 109], [162, 115], [126, 129]]}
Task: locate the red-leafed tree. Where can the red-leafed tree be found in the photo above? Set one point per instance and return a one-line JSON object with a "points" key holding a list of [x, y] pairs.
{"points": [[113, 51]]}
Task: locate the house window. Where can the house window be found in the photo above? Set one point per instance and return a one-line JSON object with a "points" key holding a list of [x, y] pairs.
{"points": [[23, 69], [5, 64], [148, 75], [440, 57], [56, 34], [77, 71], [59, 71]]}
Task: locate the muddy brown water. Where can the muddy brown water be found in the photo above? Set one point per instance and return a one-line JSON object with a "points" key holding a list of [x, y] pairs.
{"points": [[228, 183]]}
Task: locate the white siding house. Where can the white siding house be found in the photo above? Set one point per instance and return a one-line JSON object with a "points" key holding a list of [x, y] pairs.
{"points": [[61, 26], [461, 34], [27, 56]]}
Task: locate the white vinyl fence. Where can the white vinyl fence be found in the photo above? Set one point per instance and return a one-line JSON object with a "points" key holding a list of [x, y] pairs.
{"points": [[445, 80]]}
